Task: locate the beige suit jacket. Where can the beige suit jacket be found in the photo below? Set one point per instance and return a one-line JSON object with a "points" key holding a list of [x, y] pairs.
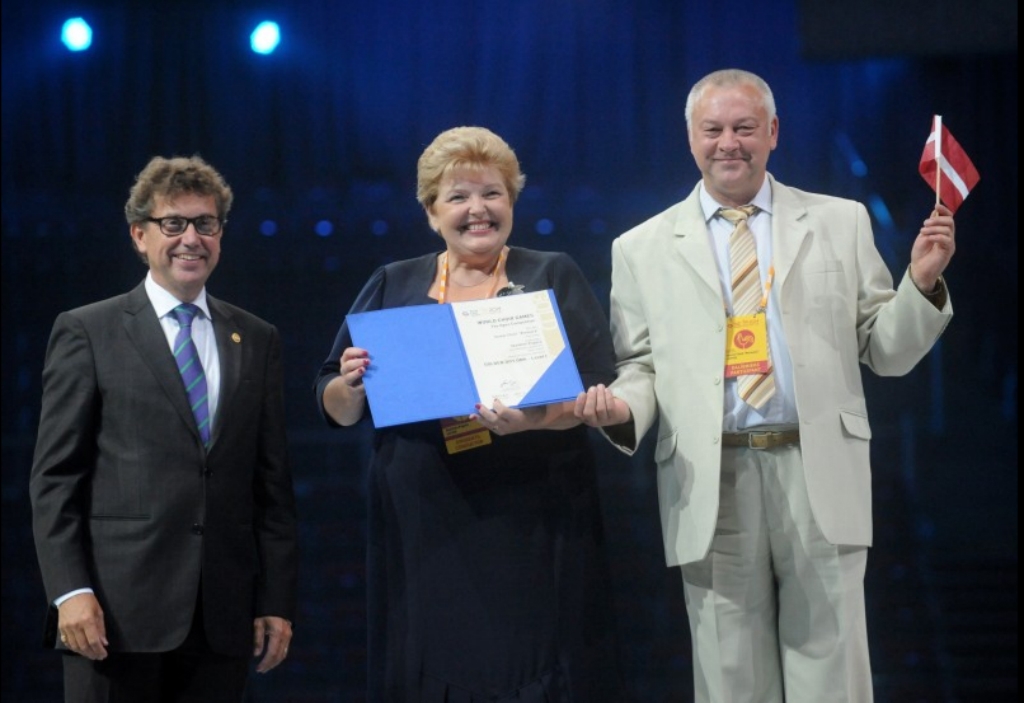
{"points": [[839, 310]]}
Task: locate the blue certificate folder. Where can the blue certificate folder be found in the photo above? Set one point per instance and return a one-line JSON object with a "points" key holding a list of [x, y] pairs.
{"points": [[419, 369]]}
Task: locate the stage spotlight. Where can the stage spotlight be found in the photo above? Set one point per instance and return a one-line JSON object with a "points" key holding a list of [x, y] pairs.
{"points": [[76, 34], [265, 38], [544, 226]]}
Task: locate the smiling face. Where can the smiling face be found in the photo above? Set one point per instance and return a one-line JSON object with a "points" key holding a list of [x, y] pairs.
{"points": [[473, 213], [179, 264], [731, 137]]}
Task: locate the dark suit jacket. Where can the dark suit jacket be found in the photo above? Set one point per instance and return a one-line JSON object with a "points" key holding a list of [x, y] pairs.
{"points": [[126, 501]]}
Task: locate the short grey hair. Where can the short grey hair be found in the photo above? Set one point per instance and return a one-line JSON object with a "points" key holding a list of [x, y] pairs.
{"points": [[729, 77]]}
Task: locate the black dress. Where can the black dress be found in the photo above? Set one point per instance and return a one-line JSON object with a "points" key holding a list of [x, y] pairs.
{"points": [[487, 578]]}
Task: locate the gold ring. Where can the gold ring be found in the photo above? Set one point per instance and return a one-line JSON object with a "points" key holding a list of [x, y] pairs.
{"points": [[63, 638]]}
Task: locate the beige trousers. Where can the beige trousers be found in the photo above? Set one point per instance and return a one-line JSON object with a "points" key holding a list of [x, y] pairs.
{"points": [[776, 612]]}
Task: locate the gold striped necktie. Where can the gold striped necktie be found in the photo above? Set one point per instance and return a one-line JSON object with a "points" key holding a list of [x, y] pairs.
{"points": [[754, 389]]}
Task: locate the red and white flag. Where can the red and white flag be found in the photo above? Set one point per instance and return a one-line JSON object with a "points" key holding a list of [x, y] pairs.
{"points": [[946, 167]]}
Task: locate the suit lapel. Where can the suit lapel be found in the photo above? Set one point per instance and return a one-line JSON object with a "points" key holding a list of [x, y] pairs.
{"points": [[230, 339], [690, 231], [144, 330], [789, 230]]}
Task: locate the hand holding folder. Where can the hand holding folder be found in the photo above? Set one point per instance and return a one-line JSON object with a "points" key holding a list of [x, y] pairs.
{"points": [[437, 361]]}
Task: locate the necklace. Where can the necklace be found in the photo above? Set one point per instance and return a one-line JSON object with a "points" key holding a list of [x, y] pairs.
{"points": [[443, 284]]}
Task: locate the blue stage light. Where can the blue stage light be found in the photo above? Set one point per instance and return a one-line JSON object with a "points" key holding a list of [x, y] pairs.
{"points": [[76, 34], [544, 226], [265, 38]]}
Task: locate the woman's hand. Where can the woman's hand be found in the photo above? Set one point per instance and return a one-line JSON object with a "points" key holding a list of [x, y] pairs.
{"points": [[345, 396], [354, 362], [503, 420]]}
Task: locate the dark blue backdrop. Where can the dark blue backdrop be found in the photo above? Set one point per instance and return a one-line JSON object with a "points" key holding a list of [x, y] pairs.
{"points": [[590, 93]]}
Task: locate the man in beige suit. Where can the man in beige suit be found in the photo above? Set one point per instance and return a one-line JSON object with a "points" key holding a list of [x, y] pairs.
{"points": [[765, 502]]}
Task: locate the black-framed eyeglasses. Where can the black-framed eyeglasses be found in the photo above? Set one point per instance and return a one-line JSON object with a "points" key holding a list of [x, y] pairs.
{"points": [[175, 225]]}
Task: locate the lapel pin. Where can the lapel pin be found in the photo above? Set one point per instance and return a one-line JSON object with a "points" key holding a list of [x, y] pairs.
{"points": [[236, 338]]}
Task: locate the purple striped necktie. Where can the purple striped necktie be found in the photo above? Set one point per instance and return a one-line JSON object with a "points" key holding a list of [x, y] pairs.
{"points": [[191, 369]]}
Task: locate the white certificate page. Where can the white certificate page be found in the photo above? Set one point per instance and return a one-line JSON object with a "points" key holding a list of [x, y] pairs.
{"points": [[510, 342]]}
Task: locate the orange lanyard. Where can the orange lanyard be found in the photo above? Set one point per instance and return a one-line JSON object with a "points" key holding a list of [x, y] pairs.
{"points": [[763, 305], [442, 286], [767, 289]]}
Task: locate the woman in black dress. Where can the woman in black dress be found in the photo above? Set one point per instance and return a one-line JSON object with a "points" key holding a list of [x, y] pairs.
{"points": [[487, 578]]}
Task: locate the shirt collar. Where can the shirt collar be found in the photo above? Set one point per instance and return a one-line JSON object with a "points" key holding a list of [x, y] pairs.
{"points": [[163, 302], [763, 199]]}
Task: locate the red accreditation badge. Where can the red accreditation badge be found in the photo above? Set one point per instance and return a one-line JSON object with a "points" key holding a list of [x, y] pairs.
{"points": [[461, 433], [746, 345]]}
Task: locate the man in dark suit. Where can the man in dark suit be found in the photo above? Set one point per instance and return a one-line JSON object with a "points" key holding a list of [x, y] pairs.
{"points": [[164, 516]]}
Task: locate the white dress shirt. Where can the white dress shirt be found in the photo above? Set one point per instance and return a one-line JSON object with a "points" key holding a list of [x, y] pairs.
{"points": [[202, 335]]}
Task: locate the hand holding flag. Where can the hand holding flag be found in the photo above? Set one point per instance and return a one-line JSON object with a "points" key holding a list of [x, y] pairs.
{"points": [[946, 167]]}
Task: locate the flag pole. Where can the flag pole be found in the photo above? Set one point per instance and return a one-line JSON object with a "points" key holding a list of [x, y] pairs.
{"points": [[938, 158]]}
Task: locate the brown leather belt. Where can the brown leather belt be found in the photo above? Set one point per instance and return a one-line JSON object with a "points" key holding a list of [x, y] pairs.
{"points": [[760, 440]]}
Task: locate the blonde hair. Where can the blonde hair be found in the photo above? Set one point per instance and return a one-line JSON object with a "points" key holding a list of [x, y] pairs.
{"points": [[465, 147]]}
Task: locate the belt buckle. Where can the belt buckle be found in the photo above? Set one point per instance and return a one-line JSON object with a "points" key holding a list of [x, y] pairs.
{"points": [[758, 440]]}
